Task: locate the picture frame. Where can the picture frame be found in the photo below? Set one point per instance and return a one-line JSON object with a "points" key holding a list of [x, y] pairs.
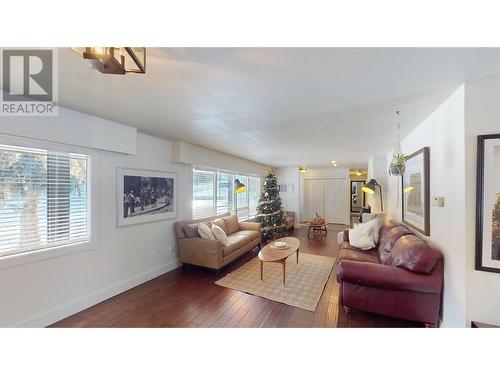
{"points": [[415, 192], [357, 196], [488, 203], [145, 196]]}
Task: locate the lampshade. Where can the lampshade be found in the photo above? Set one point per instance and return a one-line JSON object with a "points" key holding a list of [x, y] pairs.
{"points": [[239, 187], [369, 187]]}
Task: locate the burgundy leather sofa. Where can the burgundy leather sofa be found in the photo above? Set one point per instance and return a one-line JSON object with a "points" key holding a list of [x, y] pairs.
{"points": [[401, 277]]}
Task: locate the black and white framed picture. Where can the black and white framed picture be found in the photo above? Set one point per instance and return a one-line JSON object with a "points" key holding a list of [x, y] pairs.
{"points": [[488, 203], [416, 192], [145, 196]]}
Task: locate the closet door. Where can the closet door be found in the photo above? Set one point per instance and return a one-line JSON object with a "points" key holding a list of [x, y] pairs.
{"points": [[341, 202], [331, 210]]}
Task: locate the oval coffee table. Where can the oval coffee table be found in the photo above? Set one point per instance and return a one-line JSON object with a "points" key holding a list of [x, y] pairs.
{"points": [[274, 254]]}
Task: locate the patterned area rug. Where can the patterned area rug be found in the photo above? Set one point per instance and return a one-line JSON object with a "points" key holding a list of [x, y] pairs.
{"points": [[304, 286]]}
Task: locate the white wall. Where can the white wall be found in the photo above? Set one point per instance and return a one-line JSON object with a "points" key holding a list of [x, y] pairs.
{"points": [[73, 128], [482, 116], [443, 133], [40, 293], [187, 153], [291, 198]]}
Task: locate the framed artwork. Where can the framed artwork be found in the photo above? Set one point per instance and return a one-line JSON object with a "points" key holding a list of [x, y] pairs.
{"points": [[488, 203], [144, 196], [416, 192], [357, 196]]}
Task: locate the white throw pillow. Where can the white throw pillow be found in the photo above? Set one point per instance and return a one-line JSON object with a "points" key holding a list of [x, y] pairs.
{"points": [[374, 229], [205, 232], [220, 235], [361, 236]]}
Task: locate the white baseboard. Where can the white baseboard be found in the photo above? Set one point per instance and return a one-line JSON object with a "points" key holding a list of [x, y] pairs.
{"points": [[61, 312]]}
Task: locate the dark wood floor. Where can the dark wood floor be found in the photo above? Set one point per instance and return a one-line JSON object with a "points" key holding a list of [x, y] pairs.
{"points": [[189, 298]]}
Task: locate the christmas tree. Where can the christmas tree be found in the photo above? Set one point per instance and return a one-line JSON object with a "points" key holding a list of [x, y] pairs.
{"points": [[270, 214]]}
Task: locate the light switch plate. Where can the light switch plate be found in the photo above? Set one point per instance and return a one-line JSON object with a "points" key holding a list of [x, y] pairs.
{"points": [[438, 201]]}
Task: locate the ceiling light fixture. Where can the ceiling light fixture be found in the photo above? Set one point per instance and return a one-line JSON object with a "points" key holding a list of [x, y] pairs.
{"points": [[334, 162], [302, 170], [115, 60], [358, 173]]}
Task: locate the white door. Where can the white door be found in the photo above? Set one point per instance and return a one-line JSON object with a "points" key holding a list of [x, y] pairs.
{"points": [[328, 198]]}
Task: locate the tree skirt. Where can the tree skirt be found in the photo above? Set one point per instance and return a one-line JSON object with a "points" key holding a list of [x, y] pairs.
{"points": [[304, 286]]}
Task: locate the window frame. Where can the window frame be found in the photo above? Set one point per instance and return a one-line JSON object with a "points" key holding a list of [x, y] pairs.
{"points": [[13, 260], [234, 196]]}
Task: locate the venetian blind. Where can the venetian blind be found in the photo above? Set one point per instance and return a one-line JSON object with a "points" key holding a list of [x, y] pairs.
{"points": [[44, 199]]}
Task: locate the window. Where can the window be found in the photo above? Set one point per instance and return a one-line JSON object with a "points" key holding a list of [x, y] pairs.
{"points": [[213, 194], [44, 199]]}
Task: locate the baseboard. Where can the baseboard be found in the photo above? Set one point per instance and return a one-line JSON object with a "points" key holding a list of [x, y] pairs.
{"points": [[52, 316]]}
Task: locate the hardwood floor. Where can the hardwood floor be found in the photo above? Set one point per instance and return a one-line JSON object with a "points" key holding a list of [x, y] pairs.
{"points": [[188, 297]]}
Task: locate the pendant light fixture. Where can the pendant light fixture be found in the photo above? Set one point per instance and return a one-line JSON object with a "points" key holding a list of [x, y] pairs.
{"points": [[398, 163], [115, 60]]}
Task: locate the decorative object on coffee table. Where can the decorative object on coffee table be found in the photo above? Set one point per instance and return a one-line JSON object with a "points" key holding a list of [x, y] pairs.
{"points": [[488, 203], [270, 214], [317, 225], [416, 192], [279, 251]]}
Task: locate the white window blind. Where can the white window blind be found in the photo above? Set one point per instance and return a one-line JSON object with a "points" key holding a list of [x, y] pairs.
{"points": [[44, 199], [213, 194], [203, 194]]}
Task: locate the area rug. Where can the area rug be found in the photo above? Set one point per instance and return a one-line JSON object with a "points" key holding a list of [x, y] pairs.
{"points": [[304, 286]]}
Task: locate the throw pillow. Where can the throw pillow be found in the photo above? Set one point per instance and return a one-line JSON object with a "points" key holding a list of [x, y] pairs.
{"points": [[232, 224], [361, 237], [191, 230], [221, 224], [374, 229], [205, 232], [220, 235]]}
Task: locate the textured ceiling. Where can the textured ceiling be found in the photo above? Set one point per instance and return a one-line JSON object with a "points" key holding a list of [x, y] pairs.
{"points": [[277, 106]]}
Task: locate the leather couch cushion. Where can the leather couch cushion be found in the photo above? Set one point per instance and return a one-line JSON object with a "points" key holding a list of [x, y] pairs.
{"points": [[414, 254], [221, 223], [238, 240], [384, 229], [388, 240], [232, 224], [191, 230], [351, 253]]}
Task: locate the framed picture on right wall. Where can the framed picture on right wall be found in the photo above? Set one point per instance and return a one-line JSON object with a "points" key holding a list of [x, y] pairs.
{"points": [[488, 203], [416, 191]]}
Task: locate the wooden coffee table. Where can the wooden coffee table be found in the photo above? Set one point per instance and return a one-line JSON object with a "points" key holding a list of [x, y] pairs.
{"points": [[273, 254]]}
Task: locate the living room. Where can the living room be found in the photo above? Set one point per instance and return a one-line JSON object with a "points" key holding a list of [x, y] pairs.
{"points": [[330, 185]]}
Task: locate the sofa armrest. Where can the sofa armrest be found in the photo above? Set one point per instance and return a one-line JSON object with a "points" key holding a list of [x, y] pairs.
{"points": [[201, 252], [346, 235], [250, 225], [386, 277]]}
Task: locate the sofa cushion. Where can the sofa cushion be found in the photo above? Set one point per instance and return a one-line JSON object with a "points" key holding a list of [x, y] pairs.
{"points": [[388, 241], [221, 224], [384, 229], [232, 224], [191, 230], [220, 235], [205, 231], [348, 252], [361, 236], [414, 254], [238, 240]]}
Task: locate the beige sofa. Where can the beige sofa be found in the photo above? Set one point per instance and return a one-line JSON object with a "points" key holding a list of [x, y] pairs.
{"points": [[243, 237]]}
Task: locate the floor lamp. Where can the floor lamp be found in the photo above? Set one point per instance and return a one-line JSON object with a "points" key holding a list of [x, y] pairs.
{"points": [[370, 188], [238, 188]]}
